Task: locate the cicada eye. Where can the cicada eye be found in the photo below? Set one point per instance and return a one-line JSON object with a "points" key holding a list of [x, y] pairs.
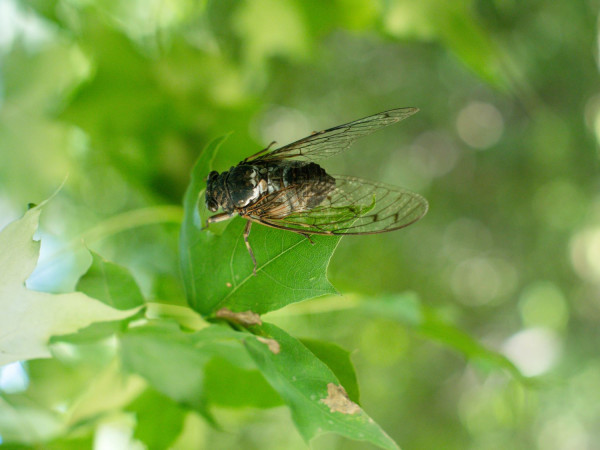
{"points": [[212, 206], [211, 203]]}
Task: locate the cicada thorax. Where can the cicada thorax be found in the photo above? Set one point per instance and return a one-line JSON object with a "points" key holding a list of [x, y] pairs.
{"points": [[291, 186]]}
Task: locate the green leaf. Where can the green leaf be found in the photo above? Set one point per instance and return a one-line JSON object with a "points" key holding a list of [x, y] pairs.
{"points": [[233, 387], [168, 361], [159, 419], [408, 310], [77, 443], [29, 318], [173, 362], [111, 284], [456, 26], [338, 360], [94, 333], [308, 386], [49, 9], [217, 269], [27, 422], [461, 32]]}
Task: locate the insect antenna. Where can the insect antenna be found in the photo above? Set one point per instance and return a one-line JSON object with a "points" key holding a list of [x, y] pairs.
{"points": [[260, 152]]}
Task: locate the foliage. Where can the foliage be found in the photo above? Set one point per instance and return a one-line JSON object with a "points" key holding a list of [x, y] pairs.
{"points": [[30, 318], [136, 326]]}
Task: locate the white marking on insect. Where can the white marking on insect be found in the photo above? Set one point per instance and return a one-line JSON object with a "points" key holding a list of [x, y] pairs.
{"points": [[262, 186]]}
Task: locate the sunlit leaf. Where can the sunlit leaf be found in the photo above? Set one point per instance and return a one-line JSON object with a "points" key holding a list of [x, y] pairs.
{"points": [[285, 37], [29, 318]]}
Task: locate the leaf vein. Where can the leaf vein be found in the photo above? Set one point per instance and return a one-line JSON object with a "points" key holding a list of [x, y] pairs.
{"points": [[260, 268]]}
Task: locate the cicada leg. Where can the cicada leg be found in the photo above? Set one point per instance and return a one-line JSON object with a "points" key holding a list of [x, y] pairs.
{"points": [[246, 234], [307, 236], [218, 218]]}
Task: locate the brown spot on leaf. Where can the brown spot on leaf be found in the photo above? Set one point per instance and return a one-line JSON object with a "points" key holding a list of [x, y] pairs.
{"points": [[228, 284], [273, 345], [338, 400], [245, 318]]}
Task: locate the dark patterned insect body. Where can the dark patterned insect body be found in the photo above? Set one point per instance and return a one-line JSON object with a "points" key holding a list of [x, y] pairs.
{"points": [[302, 185], [284, 188]]}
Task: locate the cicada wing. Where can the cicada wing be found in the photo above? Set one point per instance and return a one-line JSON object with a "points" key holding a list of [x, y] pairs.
{"points": [[354, 206], [327, 143]]}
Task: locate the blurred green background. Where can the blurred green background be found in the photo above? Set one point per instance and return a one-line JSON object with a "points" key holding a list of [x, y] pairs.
{"points": [[121, 96]]}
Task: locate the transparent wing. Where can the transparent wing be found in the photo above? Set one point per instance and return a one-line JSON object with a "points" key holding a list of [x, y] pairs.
{"points": [[355, 206], [324, 144]]}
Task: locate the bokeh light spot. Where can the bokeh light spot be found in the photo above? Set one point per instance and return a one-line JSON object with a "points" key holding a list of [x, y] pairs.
{"points": [[543, 304], [433, 154], [407, 19], [466, 238], [286, 34], [585, 254], [116, 435], [534, 350], [480, 125], [563, 432], [480, 280], [281, 124]]}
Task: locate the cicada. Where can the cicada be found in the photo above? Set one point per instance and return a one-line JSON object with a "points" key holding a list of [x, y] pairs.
{"points": [[285, 188]]}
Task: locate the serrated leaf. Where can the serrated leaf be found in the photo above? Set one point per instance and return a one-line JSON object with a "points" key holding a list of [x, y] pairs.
{"points": [[312, 391], [29, 318], [217, 269], [94, 333], [111, 284], [338, 360]]}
